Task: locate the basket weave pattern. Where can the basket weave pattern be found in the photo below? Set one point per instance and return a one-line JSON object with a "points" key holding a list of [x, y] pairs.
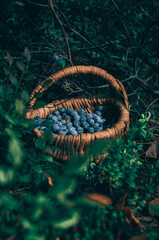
{"points": [[80, 143]]}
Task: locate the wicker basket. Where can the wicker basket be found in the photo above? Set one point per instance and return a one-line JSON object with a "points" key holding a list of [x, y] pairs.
{"points": [[112, 107]]}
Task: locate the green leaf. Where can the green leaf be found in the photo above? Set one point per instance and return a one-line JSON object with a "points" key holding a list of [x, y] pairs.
{"points": [[154, 207], [6, 71], [9, 58], [13, 79], [6, 176], [20, 4], [68, 222], [48, 133], [15, 151], [48, 158], [10, 119], [19, 106], [28, 77], [20, 65], [62, 62], [1, 90], [25, 96], [46, 123], [27, 54], [40, 143], [39, 104], [9, 91], [36, 168]]}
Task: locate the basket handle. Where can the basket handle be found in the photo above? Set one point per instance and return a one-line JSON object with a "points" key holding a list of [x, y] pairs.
{"points": [[76, 70]]}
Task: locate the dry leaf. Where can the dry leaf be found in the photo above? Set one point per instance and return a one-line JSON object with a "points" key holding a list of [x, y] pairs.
{"points": [[27, 53], [154, 207], [13, 79], [9, 58], [20, 65], [104, 200], [121, 202], [153, 150], [140, 237], [6, 71], [145, 219], [50, 182], [131, 218]]}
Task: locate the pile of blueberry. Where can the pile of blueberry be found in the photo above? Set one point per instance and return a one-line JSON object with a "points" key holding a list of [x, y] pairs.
{"points": [[74, 122]]}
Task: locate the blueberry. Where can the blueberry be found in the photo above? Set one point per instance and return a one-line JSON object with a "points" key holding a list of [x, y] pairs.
{"points": [[90, 130], [73, 132], [55, 128], [100, 108], [62, 110], [63, 128], [96, 125], [62, 132], [63, 121], [54, 118], [60, 124], [95, 116], [56, 112], [90, 115], [83, 118], [98, 119], [96, 129], [69, 124], [74, 113], [39, 121], [81, 111], [43, 128], [37, 118], [76, 123], [85, 125], [66, 116], [98, 113], [59, 118], [91, 122], [69, 110], [76, 117], [103, 120], [55, 58], [80, 130], [49, 117]]}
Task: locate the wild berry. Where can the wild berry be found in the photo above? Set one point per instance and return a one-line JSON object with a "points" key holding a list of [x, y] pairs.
{"points": [[90, 130], [37, 118], [55, 128], [56, 112], [100, 108]]}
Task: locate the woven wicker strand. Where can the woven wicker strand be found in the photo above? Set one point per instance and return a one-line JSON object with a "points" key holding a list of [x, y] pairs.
{"points": [[79, 144]]}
